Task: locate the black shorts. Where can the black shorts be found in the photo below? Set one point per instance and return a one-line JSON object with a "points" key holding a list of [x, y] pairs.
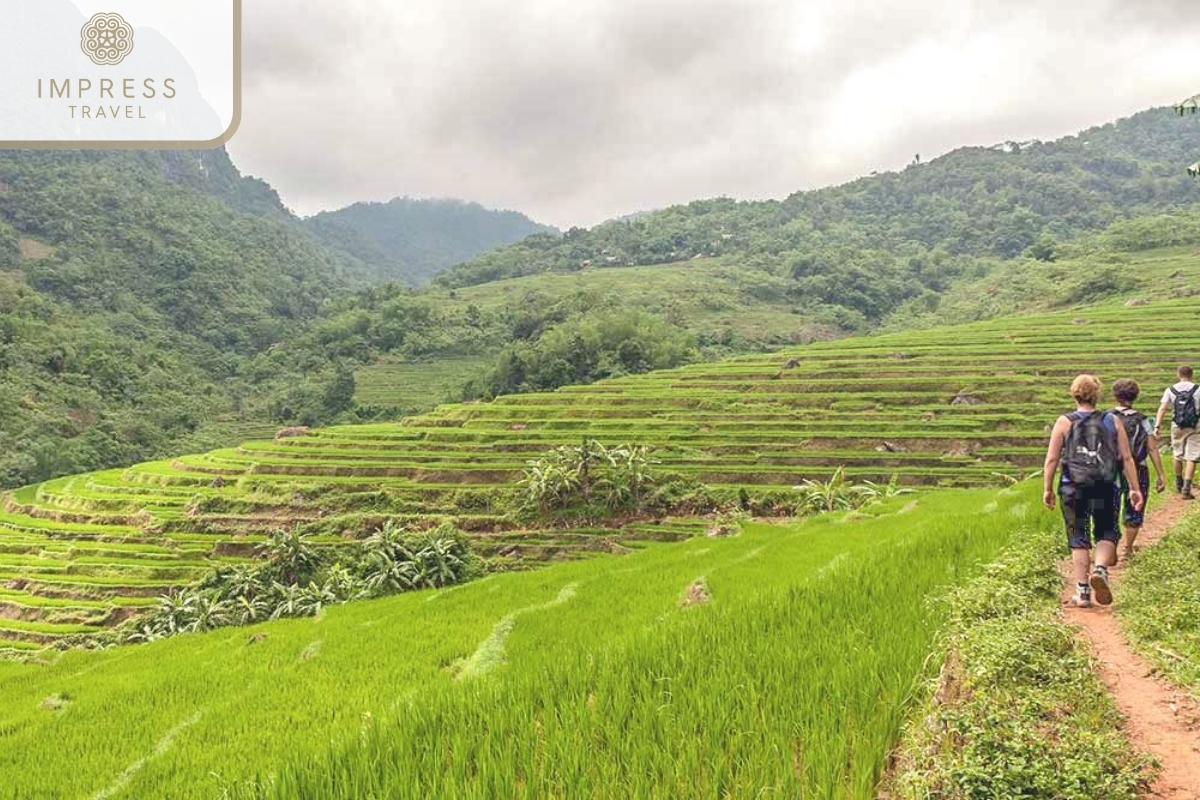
{"points": [[1132, 515], [1090, 513]]}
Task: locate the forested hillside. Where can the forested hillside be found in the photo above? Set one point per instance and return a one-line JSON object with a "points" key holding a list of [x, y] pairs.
{"points": [[411, 241], [143, 300], [863, 248]]}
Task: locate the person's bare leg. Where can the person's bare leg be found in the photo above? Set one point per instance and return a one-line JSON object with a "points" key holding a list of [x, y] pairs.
{"points": [[1179, 474], [1106, 554], [1131, 534], [1081, 565], [1189, 471]]}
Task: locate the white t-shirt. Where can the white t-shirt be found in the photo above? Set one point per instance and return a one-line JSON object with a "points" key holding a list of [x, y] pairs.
{"points": [[1183, 386]]}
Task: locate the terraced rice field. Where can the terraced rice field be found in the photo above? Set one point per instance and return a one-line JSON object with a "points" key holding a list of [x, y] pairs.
{"points": [[949, 407]]}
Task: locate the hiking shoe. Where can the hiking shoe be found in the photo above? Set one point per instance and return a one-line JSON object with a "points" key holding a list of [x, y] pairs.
{"points": [[1082, 598], [1100, 586], [1188, 495]]}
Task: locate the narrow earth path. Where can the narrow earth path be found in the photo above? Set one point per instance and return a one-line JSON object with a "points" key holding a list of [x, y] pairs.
{"points": [[1161, 719]]}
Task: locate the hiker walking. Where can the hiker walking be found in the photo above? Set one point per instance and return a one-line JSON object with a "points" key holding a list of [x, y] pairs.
{"points": [[1181, 400], [1143, 444], [1091, 446]]}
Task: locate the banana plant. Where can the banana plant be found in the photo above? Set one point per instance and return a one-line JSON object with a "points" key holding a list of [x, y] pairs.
{"points": [[291, 554], [835, 494]]}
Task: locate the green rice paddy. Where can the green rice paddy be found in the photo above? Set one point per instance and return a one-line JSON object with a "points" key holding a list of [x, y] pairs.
{"points": [[789, 675]]}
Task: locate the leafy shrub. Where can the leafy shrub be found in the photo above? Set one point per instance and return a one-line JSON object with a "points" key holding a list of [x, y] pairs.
{"points": [[615, 478], [839, 494]]}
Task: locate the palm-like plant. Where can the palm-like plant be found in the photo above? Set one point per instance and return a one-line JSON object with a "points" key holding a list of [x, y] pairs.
{"points": [[617, 476], [835, 494], [287, 600], [871, 491], [210, 611], [291, 554], [443, 563], [246, 610], [243, 581], [315, 597], [391, 542]]}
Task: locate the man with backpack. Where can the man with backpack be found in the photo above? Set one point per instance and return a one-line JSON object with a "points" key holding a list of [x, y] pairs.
{"points": [[1184, 406], [1143, 443], [1091, 447]]}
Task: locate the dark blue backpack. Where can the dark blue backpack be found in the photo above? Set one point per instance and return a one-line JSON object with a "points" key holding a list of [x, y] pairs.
{"points": [[1090, 454]]}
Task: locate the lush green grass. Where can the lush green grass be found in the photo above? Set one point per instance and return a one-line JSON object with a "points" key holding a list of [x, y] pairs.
{"points": [[1160, 595], [1018, 708], [588, 678]]}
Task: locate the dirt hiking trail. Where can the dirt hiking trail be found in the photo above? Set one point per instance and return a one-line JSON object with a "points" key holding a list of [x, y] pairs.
{"points": [[1161, 719]]}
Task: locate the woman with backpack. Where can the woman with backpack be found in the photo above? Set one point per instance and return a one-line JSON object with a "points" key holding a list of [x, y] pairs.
{"points": [[1091, 446], [1182, 401], [1143, 443]]}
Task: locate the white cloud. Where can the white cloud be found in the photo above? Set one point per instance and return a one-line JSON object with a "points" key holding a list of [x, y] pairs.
{"points": [[575, 112]]}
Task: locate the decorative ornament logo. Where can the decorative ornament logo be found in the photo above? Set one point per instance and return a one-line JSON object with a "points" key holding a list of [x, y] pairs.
{"points": [[106, 39]]}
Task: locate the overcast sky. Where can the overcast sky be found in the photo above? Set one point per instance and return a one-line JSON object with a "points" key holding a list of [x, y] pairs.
{"points": [[575, 111]]}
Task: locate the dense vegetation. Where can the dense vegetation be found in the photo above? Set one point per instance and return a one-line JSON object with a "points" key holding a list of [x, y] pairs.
{"points": [[1017, 709], [143, 296], [601, 677], [295, 578], [152, 303], [411, 241]]}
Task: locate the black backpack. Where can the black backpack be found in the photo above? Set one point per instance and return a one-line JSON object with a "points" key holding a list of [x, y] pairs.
{"points": [[1135, 429], [1185, 408], [1090, 455]]}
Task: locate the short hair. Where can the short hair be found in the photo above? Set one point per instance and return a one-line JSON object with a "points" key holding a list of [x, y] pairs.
{"points": [[1086, 390], [1126, 390], [1186, 372]]}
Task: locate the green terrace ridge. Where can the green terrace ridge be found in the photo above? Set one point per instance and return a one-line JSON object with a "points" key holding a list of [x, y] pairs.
{"points": [[960, 406]]}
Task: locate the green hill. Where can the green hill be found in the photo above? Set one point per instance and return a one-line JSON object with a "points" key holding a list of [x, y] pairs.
{"points": [[412, 241], [140, 295], [701, 311], [783, 658], [869, 245]]}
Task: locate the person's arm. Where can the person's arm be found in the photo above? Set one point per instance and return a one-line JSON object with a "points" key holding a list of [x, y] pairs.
{"points": [[1158, 418], [1156, 459], [1130, 469], [1053, 456]]}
